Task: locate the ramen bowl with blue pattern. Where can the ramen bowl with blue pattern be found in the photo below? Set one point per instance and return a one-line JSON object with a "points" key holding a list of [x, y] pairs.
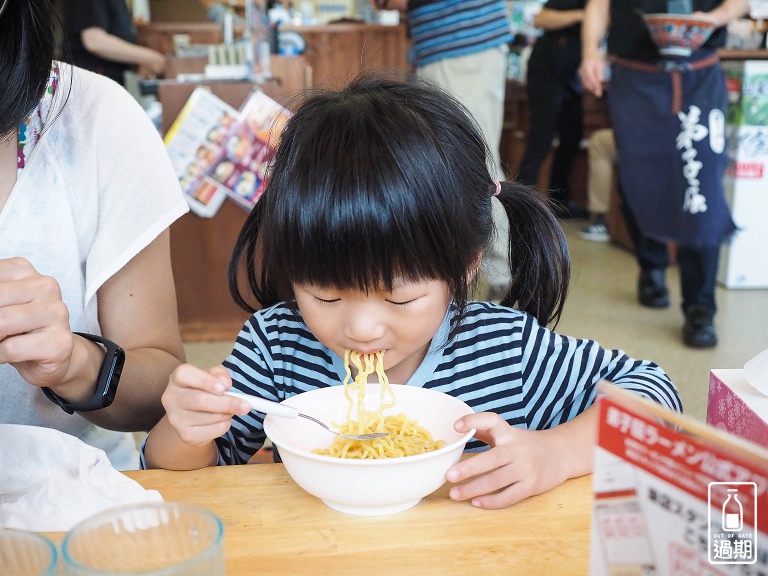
{"points": [[679, 35]]}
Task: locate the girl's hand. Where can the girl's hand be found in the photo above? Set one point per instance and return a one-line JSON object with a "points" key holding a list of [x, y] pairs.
{"points": [[196, 406], [520, 463]]}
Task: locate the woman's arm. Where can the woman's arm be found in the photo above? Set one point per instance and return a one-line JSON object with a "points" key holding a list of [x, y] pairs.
{"points": [[137, 311], [549, 19], [593, 28], [109, 47], [728, 10]]}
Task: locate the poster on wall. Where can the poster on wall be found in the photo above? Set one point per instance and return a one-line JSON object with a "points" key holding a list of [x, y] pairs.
{"points": [[673, 496]]}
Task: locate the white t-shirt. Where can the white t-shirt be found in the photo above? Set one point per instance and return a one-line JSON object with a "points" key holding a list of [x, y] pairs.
{"points": [[97, 188]]}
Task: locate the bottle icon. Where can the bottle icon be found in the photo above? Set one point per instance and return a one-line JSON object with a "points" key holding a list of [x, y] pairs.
{"points": [[733, 512]]}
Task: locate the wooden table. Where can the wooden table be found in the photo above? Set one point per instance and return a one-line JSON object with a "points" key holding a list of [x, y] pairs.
{"points": [[271, 526]]}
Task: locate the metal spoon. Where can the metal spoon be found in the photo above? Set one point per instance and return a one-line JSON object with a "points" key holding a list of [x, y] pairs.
{"points": [[276, 409]]}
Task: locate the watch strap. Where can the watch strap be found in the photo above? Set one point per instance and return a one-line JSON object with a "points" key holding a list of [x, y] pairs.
{"points": [[106, 386]]}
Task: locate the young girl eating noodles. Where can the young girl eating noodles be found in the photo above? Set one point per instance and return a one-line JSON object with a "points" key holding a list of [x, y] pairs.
{"points": [[368, 238]]}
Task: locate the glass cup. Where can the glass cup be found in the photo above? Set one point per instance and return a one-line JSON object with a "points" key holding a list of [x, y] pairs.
{"points": [[148, 539], [27, 554]]}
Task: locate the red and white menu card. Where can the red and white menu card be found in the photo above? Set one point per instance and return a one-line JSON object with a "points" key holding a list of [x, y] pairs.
{"points": [[673, 496]]}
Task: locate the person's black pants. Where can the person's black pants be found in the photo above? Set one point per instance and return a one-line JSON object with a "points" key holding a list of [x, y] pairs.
{"points": [[698, 266], [555, 107]]}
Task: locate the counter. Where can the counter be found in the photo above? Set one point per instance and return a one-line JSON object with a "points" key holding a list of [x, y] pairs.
{"points": [[335, 52]]}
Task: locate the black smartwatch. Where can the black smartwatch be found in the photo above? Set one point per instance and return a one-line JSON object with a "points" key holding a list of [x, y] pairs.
{"points": [[106, 388]]}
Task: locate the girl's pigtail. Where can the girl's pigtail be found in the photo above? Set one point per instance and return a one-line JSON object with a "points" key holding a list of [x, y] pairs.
{"points": [[539, 261]]}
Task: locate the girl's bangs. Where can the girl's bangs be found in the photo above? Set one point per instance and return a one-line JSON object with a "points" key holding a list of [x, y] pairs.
{"points": [[352, 240]]}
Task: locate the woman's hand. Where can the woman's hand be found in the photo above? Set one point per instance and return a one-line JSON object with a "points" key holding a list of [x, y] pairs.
{"points": [[520, 463], [592, 72], [34, 324], [196, 406]]}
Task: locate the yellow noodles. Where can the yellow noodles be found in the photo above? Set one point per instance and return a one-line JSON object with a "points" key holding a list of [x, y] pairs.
{"points": [[406, 437]]}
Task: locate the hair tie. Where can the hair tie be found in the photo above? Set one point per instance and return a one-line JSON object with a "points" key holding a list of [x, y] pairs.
{"points": [[498, 187]]}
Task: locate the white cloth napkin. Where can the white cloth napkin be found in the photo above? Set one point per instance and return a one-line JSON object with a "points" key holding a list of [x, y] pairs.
{"points": [[756, 372], [50, 481]]}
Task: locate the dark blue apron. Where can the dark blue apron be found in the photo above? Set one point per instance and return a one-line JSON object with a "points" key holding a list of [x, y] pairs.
{"points": [[669, 124]]}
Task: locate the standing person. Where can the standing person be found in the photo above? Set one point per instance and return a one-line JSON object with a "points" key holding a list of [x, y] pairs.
{"points": [[101, 37], [601, 158], [462, 48], [375, 250], [668, 117], [86, 197], [554, 101]]}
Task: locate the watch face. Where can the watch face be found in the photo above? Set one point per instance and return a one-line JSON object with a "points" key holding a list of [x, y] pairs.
{"points": [[113, 373]]}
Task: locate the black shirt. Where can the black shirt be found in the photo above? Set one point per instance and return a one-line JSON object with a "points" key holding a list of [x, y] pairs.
{"points": [[110, 15], [629, 38]]}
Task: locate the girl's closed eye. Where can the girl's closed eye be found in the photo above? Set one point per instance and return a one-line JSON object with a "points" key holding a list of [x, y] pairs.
{"points": [[402, 303], [326, 301]]}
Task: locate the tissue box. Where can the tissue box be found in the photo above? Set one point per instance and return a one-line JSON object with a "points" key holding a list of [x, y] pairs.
{"points": [[737, 407]]}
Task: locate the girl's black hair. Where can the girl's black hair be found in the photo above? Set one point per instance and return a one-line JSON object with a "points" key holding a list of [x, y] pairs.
{"points": [[388, 178], [27, 46]]}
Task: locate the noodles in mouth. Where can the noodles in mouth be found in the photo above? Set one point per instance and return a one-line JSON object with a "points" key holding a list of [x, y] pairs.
{"points": [[405, 437]]}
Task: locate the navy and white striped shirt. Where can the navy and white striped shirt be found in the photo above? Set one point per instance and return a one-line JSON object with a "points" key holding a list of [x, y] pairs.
{"points": [[447, 28], [501, 360]]}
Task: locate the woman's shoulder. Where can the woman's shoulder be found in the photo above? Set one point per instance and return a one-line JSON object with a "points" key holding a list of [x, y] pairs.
{"points": [[85, 83], [94, 101]]}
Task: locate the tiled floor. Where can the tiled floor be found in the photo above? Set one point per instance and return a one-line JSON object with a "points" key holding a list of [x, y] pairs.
{"points": [[603, 306]]}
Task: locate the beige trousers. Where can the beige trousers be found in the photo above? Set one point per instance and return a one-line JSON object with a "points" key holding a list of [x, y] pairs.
{"points": [[479, 82], [602, 157]]}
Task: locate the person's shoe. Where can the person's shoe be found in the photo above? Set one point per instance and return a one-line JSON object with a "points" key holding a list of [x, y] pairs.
{"points": [[699, 330], [596, 232], [652, 289], [569, 211]]}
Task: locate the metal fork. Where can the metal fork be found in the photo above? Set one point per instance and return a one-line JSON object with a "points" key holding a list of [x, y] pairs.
{"points": [[277, 409]]}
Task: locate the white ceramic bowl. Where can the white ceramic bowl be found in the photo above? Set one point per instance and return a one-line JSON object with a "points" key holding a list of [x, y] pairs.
{"points": [[368, 487]]}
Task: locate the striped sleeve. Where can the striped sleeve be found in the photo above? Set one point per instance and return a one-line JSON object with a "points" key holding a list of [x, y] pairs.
{"points": [[560, 375], [501, 360]]}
